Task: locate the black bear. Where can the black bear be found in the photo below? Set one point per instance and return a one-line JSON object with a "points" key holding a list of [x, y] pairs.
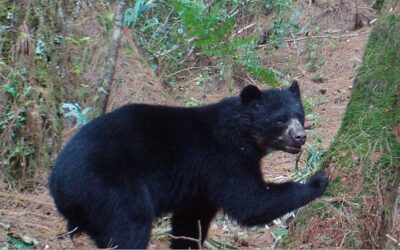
{"points": [[129, 166]]}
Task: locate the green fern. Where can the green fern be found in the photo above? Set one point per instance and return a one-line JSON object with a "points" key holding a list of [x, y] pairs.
{"points": [[209, 29], [177, 28], [211, 32], [263, 74]]}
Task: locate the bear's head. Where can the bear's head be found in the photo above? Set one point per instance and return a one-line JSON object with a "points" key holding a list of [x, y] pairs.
{"points": [[274, 118]]}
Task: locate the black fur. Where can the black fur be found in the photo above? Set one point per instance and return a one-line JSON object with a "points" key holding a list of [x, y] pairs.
{"points": [[140, 161]]}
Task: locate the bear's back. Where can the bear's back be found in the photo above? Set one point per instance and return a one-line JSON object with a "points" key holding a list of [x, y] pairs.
{"points": [[135, 138]]}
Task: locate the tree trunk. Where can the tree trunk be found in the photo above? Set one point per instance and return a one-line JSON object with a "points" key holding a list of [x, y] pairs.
{"points": [[364, 161], [128, 77], [113, 53]]}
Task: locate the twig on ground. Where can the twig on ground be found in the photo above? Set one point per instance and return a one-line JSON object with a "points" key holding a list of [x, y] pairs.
{"points": [[187, 56], [393, 239], [200, 236], [373, 21], [210, 246], [245, 28], [166, 20], [276, 243], [188, 69], [185, 238], [344, 238], [251, 79], [321, 37], [219, 245], [325, 36], [67, 233], [295, 45]]}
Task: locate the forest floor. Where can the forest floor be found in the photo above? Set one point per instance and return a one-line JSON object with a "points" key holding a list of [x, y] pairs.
{"points": [[325, 89]]}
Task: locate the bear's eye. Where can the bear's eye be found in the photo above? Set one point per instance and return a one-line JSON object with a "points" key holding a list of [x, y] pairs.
{"points": [[256, 105]]}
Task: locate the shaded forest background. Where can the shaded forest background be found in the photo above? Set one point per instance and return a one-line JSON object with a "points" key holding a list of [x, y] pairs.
{"points": [[62, 63]]}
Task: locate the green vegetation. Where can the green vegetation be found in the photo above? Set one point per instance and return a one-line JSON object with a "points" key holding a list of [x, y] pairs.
{"points": [[285, 20], [177, 32], [30, 124]]}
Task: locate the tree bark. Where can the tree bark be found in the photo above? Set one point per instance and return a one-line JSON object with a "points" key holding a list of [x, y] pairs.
{"points": [[113, 52], [364, 161]]}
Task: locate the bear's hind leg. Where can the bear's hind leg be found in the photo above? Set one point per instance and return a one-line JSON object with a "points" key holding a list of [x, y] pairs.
{"points": [[121, 221], [186, 223], [124, 232]]}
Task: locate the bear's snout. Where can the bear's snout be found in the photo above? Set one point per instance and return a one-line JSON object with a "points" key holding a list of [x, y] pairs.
{"points": [[297, 132]]}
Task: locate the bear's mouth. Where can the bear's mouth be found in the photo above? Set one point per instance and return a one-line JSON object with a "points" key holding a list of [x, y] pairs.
{"points": [[292, 149]]}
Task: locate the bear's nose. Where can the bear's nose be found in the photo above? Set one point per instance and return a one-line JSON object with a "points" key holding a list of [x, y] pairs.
{"points": [[300, 136]]}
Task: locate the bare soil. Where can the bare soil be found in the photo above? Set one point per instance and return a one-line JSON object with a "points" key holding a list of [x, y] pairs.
{"points": [[328, 87]]}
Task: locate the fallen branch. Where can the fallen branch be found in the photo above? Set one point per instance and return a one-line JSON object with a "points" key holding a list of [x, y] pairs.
{"points": [[325, 36], [185, 238], [294, 40]]}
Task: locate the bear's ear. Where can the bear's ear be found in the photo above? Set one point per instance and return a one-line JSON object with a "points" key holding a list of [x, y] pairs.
{"points": [[249, 93], [294, 88]]}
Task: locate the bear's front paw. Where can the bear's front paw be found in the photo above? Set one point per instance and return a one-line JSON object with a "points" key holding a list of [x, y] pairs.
{"points": [[318, 182]]}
